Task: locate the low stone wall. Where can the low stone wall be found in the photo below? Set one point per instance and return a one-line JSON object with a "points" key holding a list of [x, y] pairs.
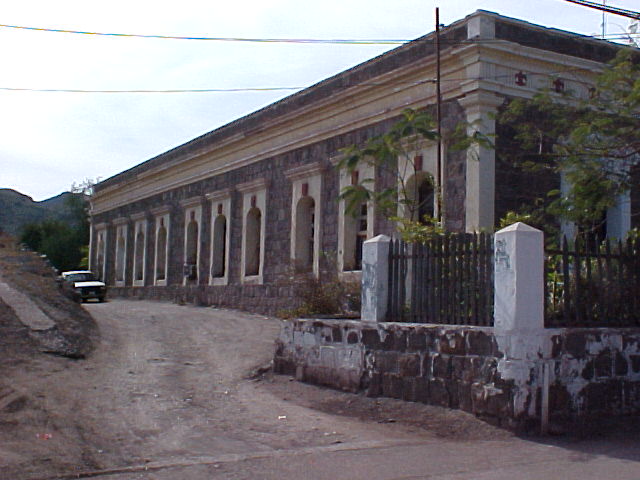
{"points": [[455, 367], [596, 372], [263, 299], [592, 372]]}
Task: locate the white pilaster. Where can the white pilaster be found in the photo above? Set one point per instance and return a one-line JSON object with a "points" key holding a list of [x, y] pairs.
{"points": [[480, 179]]}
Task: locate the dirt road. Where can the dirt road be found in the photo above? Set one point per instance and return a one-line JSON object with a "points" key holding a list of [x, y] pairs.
{"points": [[165, 395]]}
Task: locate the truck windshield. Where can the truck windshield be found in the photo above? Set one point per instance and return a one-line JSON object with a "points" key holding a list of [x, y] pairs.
{"points": [[81, 277]]}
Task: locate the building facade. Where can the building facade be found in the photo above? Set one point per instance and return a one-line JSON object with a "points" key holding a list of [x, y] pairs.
{"points": [[227, 217]]}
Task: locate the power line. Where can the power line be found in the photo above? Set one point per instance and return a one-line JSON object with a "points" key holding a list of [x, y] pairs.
{"points": [[217, 39], [335, 41]]}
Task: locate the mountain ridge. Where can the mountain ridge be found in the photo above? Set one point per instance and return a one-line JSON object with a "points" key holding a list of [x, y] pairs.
{"points": [[18, 210]]}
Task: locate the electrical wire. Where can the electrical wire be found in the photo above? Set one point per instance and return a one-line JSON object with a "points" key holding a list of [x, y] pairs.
{"points": [[218, 39], [338, 41]]}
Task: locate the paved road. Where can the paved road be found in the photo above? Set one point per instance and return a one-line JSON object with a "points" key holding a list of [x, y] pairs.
{"points": [[165, 397]]}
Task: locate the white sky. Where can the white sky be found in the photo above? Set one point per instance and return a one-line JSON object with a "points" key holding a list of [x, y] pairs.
{"points": [[50, 140]]}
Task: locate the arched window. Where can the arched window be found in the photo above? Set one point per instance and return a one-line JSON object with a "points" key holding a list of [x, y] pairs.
{"points": [[420, 193], [100, 255], [305, 234], [121, 254], [192, 241], [356, 231], [252, 253], [139, 254], [161, 251], [218, 265]]}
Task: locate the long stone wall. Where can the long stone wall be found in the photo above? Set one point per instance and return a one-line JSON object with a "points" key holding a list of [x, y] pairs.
{"points": [[274, 294], [593, 373]]}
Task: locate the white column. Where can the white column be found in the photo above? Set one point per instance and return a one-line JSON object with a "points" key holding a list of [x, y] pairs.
{"points": [[375, 278], [481, 176]]}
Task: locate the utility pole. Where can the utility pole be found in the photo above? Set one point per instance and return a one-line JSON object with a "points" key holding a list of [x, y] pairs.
{"points": [[439, 182]]}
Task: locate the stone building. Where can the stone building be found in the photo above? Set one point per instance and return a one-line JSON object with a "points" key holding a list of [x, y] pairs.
{"points": [[221, 219]]}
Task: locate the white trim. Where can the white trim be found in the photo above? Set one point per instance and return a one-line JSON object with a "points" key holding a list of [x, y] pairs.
{"points": [[139, 227], [261, 200], [165, 218], [313, 178], [197, 211], [122, 231], [345, 220], [223, 198]]}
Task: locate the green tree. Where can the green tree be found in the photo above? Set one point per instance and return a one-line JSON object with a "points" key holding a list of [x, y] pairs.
{"points": [[64, 244], [593, 142]]}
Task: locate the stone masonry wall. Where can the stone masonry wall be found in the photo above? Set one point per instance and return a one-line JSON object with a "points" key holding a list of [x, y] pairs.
{"points": [[275, 294], [594, 372], [454, 367]]}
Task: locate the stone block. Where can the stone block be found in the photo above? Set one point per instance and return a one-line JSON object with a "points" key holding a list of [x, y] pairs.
{"points": [[371, 338], [421, 386], [575, 344], [464, 396], [438, 393], [392, 385], [452, 342], [386, 362], [400, 341], [621, 366], [588, 371], [479, 343], [374, 389], [352, 338], [427, 366], [409, 365], [452, 389], [441, 366], [635, 363], [408, 389], [603, 364], [458, 367], [416, 341], [559, 399]]}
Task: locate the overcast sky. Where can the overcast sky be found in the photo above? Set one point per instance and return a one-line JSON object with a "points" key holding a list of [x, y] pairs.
{"points": [[49, 140]]}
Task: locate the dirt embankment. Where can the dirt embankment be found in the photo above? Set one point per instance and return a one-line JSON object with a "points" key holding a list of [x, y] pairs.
{"points": [[74, 332], [24, 415]]}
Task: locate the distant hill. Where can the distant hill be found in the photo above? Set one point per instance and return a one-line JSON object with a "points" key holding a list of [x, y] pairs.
{"points": [[17, 210]]}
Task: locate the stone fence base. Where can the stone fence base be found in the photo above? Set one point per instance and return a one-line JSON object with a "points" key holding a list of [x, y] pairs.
{"points": [[589, 373]]}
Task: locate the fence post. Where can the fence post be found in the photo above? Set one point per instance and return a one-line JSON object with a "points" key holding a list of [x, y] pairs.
{"points": [[519, 313], [375, 279], [519, 278]]}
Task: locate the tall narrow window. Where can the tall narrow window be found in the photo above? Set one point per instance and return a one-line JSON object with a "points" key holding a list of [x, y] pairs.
{"points": [[161, 251], [101, 246], [306, 216], [121, 254], [218, 266], [305, 234], [139, 253], [362, 224], [356, 225], [253, 240], [220, 235], [192, 232]]}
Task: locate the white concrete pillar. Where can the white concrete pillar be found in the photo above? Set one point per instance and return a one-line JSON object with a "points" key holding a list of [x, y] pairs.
{"points": [[519, 311], [375, 278], [481, 165], [519, 278]]}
